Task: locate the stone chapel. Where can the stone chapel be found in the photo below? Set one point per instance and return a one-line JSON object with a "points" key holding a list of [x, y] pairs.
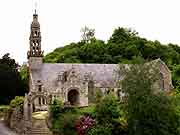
{"points": [[74, 84]]}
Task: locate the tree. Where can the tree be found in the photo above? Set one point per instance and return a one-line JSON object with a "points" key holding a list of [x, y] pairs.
{"points": [[24, 73], [107, 110], [87, 34], [10, 80], [148, 112]]}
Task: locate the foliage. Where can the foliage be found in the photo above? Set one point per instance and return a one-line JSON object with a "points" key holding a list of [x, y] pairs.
{"points": [[87, 34], [100, 130], [124, 45], [11, 84], [24, 73], [83, 124], [3, 110], [176, 77], [110, 116], [87, 111], [107, 109], [56, 108], [17, 102], [148, 112], [65, 124], [98, 96], [63, 119]]}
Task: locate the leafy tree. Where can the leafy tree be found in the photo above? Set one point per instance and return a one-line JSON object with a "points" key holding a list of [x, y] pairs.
{"points": [[107, 110], [110, 115], [10, 80], [148, 112], [87, 34], [24, 73], [17, 102], [56, 108]]}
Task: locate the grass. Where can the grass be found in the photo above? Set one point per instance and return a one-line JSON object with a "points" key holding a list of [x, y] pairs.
{"points": [[87, 110], [3, 110], [41, 115]]}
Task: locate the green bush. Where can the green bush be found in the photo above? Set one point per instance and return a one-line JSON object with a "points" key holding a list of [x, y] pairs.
{"points": [[107, 109], [63, 119], [3, 110], [110, 117], [56, 108], [100, 130], [149, 112], [17, 102], [90, 111], [65, 124]]}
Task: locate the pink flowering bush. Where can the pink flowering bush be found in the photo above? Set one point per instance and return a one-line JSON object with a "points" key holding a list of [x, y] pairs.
{"points": [[83, 124]]}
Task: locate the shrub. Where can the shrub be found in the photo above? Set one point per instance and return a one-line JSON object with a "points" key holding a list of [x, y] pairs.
{"points": [[100, 130], [17, 102], [107, 109], [3, 110], [88, 111], [83, 124], [56, 108], [149, 111], [65, 124]]}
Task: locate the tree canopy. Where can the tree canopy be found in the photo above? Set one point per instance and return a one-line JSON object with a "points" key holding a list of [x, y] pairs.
{"points": [[149, 111], [124, 46], [11, 83]]}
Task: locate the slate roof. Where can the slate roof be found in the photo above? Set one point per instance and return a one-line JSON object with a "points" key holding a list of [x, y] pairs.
{"points": [[104, 75]]}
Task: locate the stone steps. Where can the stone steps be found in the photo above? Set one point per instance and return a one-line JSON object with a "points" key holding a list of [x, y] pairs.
{"points": [[39, 127], [40, 131]]}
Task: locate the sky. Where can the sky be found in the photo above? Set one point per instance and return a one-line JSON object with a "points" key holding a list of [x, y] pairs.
{"points": [[62, 20]]}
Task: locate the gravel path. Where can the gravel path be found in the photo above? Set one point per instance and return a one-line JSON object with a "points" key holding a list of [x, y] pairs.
{"points": [[4, 130]]}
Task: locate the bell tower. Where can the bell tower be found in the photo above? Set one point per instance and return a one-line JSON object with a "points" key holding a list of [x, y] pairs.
{"points": [[35, 38], [35, 54]]}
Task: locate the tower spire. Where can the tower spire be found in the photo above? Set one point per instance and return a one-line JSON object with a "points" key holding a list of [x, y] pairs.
{"points": [[35, 7], [35, 38]]}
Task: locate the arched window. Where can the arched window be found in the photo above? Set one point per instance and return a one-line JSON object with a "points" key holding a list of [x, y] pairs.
{"points": [[39, 88], [161, 80], [43, 101], [91, 91], [39, 99], [119, 93]]}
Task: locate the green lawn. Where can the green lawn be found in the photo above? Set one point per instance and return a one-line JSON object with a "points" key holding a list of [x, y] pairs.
{"points": [[3, 110]]}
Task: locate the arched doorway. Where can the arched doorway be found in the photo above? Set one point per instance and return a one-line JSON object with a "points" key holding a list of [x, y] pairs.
{"points": [[73, 97], [39, 103]]}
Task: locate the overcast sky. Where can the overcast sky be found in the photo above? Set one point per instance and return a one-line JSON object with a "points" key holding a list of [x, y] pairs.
{"points": [[61, 21]]}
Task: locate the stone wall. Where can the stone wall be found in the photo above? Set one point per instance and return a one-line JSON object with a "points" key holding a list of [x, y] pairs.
{"points": [[14, 119]]}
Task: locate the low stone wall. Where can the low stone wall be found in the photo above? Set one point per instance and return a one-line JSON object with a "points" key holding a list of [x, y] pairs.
{"points": [[14, 119]]}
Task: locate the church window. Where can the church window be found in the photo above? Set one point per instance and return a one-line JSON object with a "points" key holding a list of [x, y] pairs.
{"points": [[90, 91], [39, 99], [43, 101], [35, 33], [108, 91], [65, 76], [161, 81], [60, 78], [39, 81], [119, 93], [39, 88]]}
